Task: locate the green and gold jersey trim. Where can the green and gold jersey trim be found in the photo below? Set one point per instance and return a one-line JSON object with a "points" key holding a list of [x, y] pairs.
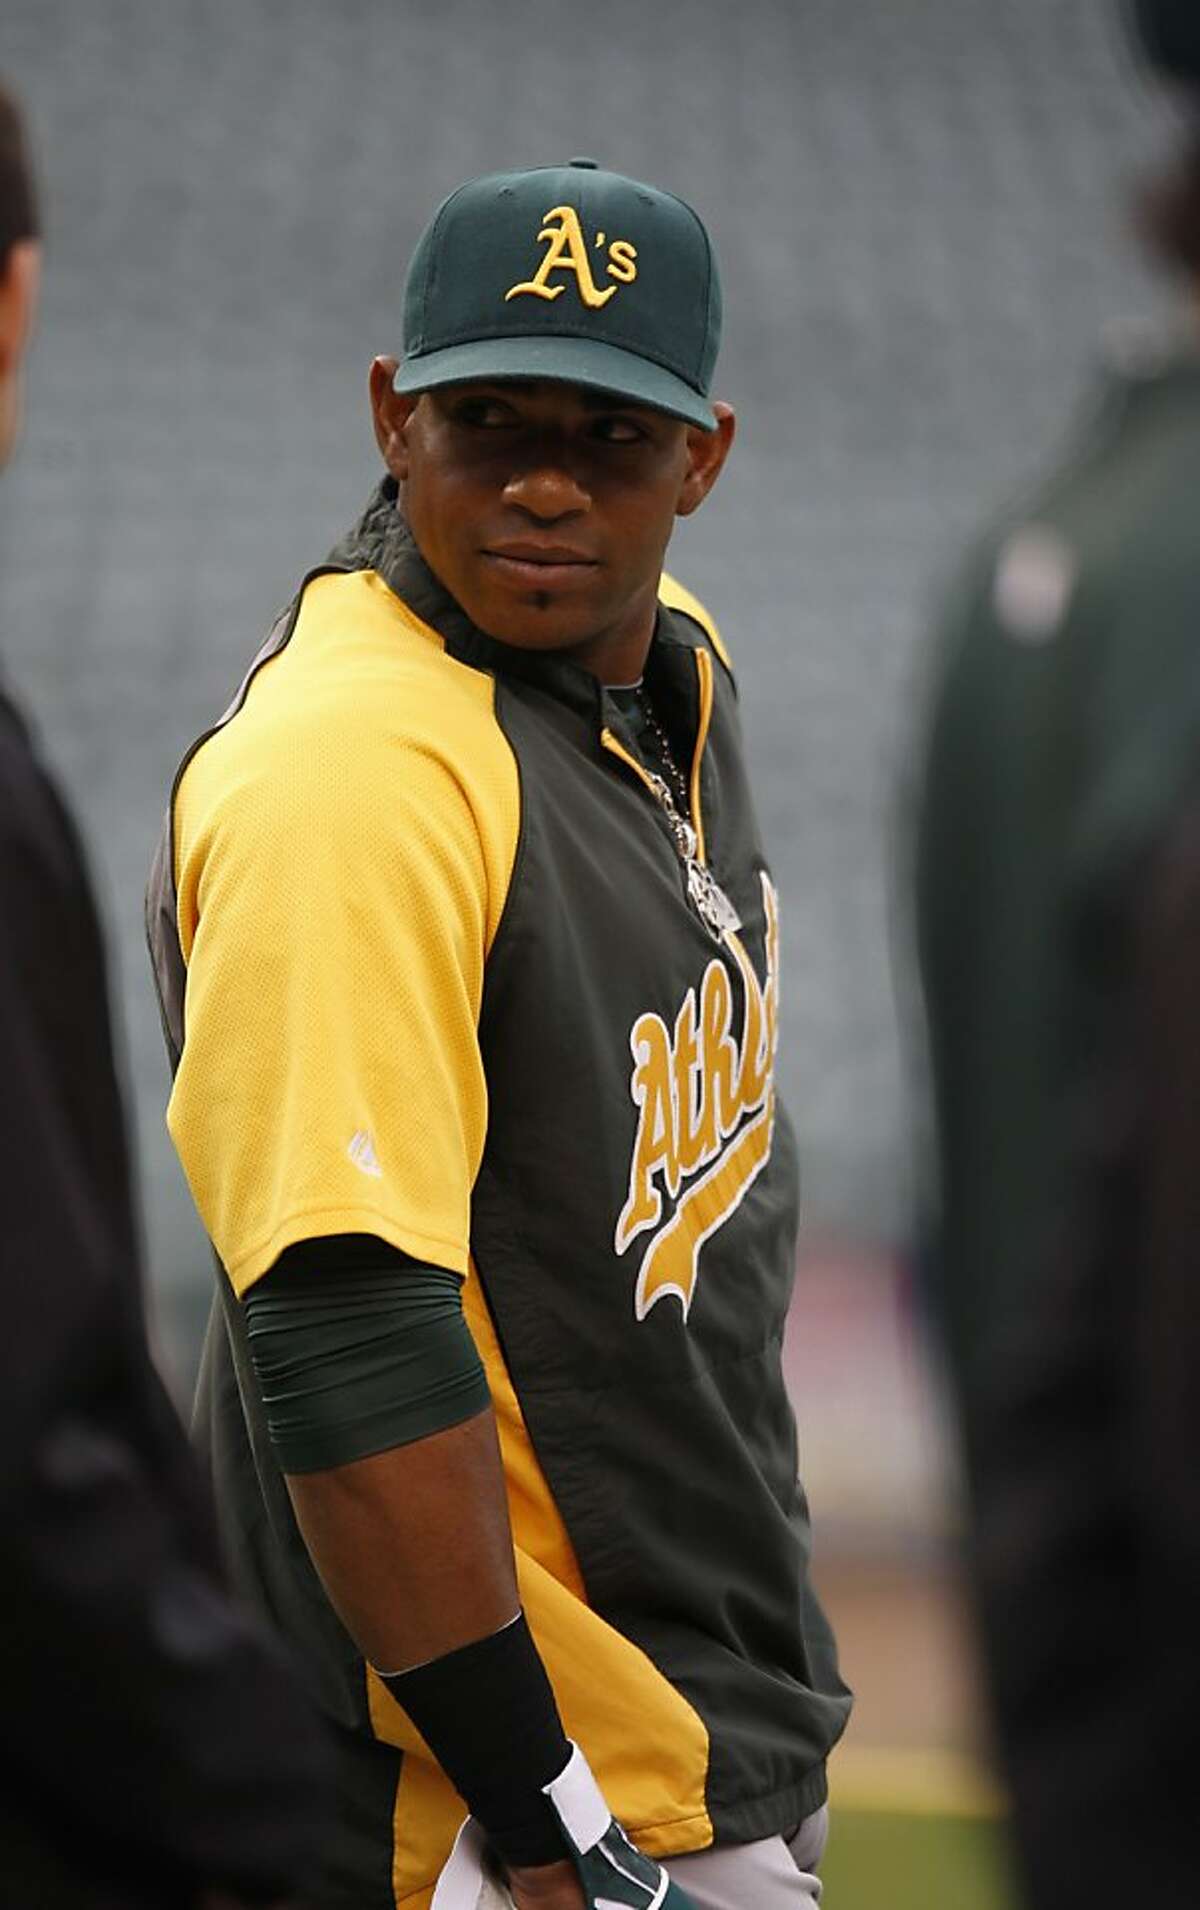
{"points": [[677, 597], [616, 747]]}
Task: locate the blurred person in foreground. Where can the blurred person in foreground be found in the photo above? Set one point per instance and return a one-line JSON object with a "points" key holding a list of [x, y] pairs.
{"points": [[154, 1750], [1058, 899], [468, 954]]}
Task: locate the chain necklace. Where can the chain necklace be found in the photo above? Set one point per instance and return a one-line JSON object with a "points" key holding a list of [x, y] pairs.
{"points": [[705, 893], [674, 773]]}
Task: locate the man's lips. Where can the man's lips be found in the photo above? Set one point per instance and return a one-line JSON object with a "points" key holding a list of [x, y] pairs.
{"points": [[530, 550], [542, 565]]}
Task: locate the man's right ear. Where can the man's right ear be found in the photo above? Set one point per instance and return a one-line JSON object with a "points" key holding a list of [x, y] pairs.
{"points": [[390, 412]]}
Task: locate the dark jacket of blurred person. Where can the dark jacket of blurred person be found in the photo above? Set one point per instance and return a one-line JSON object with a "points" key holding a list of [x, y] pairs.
{"points": [[153, 1749], [1058, 900]]}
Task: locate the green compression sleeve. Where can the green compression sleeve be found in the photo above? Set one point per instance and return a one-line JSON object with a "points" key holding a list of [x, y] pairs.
{"points": [[358, 1348]]}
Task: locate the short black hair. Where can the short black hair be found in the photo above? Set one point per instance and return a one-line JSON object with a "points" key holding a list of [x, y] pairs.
{"points": [[18, 198]]}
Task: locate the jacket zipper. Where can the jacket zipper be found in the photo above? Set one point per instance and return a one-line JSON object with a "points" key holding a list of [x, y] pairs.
{"points": [[704, 674], [615, 747]]}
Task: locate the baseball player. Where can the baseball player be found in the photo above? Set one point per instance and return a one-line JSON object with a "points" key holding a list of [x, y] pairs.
{"points": [[1059, 915], [153, 1750], [468, 955]]}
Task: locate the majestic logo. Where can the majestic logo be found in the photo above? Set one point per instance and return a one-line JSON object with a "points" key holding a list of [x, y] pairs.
{"points": [[566, 251], [706, 1113], [362, 1152]]}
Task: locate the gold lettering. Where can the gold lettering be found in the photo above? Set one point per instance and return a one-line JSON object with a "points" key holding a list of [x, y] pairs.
{"points": [[685, 1063], [771, 990], [655, 1150], [670, 1263], [622, 261], [752, 1073], [706, 1112], [719, 1108], [566, 252]]}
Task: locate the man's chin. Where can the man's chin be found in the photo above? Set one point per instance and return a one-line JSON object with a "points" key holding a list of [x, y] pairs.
{"points": [[532, 625]]}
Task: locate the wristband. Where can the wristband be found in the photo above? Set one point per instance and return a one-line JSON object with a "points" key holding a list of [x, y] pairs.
{"points": [[488, 1714]]}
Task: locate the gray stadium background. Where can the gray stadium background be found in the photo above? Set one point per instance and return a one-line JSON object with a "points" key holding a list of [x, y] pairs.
{"points": [[914, 204]]}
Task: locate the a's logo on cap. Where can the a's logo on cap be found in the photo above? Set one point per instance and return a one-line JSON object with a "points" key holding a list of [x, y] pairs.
{"points": [[567, 252]]}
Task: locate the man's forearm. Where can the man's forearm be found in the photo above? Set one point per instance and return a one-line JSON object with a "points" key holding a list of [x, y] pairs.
{"points": [[413, 1545], [415, 1551]]}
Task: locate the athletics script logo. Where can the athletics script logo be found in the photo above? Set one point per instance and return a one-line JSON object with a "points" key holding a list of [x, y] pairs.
{"points": [[706, 1114], [566, 251]]}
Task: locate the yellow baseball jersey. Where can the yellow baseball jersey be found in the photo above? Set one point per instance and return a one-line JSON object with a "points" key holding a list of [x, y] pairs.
{"points": [[431, 970]]}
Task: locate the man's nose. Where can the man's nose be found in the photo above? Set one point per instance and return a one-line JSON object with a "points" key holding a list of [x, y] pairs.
{"points": [[547, 489]]}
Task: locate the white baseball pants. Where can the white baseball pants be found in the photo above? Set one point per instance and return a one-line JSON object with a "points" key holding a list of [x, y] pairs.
{"points": [[772, 1874]]}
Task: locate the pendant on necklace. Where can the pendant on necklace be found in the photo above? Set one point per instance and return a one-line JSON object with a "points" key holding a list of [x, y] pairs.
{"points": [[710, 901]]}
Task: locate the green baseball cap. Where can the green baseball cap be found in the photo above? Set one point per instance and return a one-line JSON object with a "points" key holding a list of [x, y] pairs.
{"points": [[568, 273]]}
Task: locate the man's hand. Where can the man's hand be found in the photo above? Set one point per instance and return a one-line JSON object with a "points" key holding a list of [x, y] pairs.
{"points": [[604, 1867], [547, 1887]]}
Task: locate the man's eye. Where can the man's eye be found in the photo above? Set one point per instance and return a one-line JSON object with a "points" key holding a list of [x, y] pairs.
{"points": [[618, 430], [488, 414]]}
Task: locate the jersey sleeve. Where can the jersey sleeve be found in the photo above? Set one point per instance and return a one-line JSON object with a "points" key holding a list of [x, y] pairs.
{"points": [[335, 909]]}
